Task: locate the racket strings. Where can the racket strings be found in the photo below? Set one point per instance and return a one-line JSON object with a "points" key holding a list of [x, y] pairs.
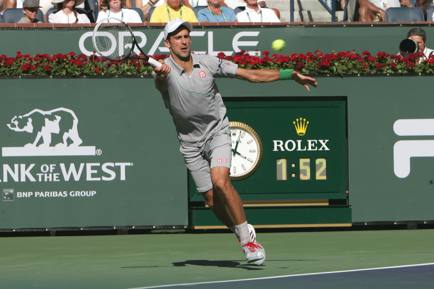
{"points": [[114, 41]]}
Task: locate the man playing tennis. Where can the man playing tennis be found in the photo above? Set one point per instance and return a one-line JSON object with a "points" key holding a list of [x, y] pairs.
{"points": [[187, 84]]}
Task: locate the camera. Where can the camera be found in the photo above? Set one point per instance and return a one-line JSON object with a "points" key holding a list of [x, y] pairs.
{"points": [[408, 46]]}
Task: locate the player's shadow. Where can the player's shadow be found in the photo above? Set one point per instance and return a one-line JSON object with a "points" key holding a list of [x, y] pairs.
{"points": [[218, 263]]}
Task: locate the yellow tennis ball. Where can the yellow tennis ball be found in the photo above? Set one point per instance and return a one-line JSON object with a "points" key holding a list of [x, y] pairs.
{"points": [[278, 44]]}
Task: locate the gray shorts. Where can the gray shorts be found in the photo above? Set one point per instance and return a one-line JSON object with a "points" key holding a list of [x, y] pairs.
{"points": [[216, 152]]}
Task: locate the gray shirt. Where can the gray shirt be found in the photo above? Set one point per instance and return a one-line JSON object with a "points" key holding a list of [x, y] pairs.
{"points": [[194, 101]]}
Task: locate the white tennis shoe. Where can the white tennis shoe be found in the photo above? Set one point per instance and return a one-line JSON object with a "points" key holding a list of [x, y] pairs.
{"points": [[255, 253]]}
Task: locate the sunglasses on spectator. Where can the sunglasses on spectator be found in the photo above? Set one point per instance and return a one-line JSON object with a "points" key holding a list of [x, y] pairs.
{"points": [[32, 9]]}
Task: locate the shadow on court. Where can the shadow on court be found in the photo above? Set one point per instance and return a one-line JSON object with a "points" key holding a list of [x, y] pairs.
{"points": [[218, 263]]}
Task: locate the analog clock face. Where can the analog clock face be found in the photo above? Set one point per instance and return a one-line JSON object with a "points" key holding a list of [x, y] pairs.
{"points": [[246, 150]]}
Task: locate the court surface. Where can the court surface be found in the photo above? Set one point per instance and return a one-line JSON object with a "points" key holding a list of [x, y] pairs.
{"points": [[311, 260]]}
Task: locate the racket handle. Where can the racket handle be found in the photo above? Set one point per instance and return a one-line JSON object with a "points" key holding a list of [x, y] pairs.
{"points": [[154, 63]]}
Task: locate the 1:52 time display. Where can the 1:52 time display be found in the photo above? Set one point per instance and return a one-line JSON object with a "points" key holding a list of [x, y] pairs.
{"points": [[302, 169]]}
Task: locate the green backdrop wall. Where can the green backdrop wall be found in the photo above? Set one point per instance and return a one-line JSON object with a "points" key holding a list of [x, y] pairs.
{"points": [[208, 39], [134, 174], [126, 121]]}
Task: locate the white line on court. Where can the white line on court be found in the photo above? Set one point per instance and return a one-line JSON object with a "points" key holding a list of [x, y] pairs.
{"points": [[287, 276]]}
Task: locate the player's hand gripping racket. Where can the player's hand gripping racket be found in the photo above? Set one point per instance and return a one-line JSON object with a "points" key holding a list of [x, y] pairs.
{"points": [[114, 39]]}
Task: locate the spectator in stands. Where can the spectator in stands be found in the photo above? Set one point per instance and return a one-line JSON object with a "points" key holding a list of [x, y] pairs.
{"points": [[144, 5], [215, 12], [254, 13], [406, 3], [116, 11], [418, 3], [369, 10], [423, 3], [30, 10], [67, 13], [233, 4], [262, 4], [418, 35], [45, 5], [171, 10], [196, 3], [2, 6], [5, 4]]}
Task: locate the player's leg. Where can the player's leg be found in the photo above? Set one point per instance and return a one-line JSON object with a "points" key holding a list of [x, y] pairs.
{"points": [[216, 203], [219, 153], [220, 211], [231, 201], [199, 169], [226, 194]]}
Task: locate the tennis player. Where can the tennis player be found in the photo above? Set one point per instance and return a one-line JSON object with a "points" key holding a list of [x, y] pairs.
{"points": [[187, 84]]}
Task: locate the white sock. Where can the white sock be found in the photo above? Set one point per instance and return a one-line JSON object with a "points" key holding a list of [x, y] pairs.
{"points": [[242, 232], [233, 231]]}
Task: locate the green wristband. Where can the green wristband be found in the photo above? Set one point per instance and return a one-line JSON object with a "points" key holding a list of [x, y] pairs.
{"points": [[285, 73]]}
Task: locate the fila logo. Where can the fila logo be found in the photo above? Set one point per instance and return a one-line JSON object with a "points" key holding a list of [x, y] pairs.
{"points": [[404, 150]]}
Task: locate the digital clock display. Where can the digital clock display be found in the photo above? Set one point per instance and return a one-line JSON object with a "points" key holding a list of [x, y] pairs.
{"points": [[304, 169]]}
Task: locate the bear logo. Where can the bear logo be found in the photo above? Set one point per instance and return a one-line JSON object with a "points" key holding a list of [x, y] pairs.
{"points": [[53, 128]]}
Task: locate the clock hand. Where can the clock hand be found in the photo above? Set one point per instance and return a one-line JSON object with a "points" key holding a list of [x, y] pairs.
{"points": [[236, 144], [244, 157]]}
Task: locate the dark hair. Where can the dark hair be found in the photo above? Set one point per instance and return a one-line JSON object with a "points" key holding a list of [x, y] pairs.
{"points": [[105, 3], [61, 5], [417, 31]]}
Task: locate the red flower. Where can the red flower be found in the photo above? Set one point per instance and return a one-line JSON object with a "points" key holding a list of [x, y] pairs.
{"points": [[59, 56], [25, 67], [299, 66], [221, 55], [354, 56], [381, 54], [9, 61], [345, 62], [324, 64]]}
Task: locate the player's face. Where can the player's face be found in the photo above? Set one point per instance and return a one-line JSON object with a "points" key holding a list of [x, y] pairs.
{"points": [[419, 41], [180, 44]]}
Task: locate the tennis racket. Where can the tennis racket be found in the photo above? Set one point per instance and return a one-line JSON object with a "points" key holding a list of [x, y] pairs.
{"points": [[114, 39]]}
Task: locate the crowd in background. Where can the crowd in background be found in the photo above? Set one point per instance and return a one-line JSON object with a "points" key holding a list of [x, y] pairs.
{"points": [[375, 10], [161, 11], [138, 11]]}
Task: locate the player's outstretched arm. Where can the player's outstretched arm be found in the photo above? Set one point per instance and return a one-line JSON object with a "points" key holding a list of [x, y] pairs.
{"points": [[269, 75], [161, 76]]}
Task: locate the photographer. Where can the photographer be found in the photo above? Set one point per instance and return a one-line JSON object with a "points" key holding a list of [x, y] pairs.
{"points": [[415, 42]]}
